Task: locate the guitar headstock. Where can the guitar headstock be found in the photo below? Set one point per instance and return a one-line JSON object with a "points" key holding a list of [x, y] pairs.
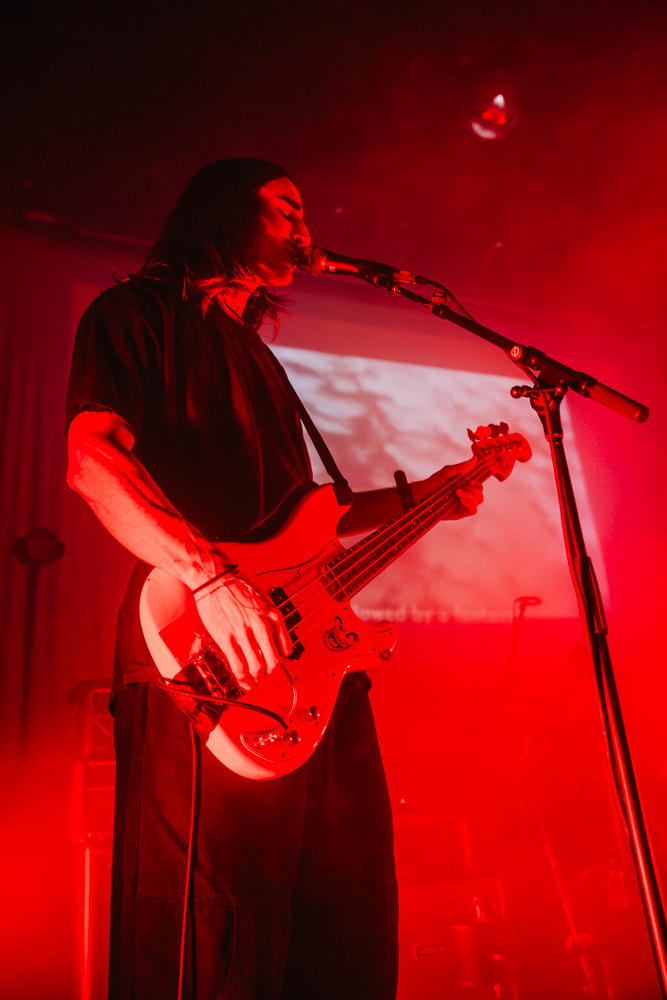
{"points": [[499, 449]]}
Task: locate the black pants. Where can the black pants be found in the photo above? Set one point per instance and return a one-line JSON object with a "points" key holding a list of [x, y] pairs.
{"points": [[294, 892]]}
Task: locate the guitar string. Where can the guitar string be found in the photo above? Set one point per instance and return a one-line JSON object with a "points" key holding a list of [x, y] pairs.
{"points": [[373, 541], [331, 599], [434, 506], [329, 604], [397, 527], [349, 560], [416, 518], [407, 540], [351, 584], [352, 557]]}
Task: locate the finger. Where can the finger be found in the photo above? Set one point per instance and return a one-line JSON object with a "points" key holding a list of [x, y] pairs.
{"points": [[237, 663], [473, 490], [461, 467], [278, 636], [281, 635], [468, 498], [267, 648], [252, 654]]}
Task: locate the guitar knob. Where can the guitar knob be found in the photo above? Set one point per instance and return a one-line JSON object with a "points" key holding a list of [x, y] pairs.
{"points": [[291, 737], [310, 714]]}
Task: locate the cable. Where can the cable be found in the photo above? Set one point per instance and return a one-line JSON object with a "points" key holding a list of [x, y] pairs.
{"points": [[175, 687], [188, 871]]}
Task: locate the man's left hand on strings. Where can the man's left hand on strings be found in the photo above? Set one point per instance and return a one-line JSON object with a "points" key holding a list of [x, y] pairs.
{"points": [[470, 496], [375, 507]]}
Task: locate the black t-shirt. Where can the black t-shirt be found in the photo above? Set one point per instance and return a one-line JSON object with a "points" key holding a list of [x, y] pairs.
{"points": [[206, 403], [213, 423]]}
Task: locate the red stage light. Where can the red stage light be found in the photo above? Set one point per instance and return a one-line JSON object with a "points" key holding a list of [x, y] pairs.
{"points": [[489, 109]]}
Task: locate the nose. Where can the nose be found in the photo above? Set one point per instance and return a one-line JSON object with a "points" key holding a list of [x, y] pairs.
{"points": [[300, 233]]}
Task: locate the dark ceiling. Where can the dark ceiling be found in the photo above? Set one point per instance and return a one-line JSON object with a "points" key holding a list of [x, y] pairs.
{"points": [[109, 109]]}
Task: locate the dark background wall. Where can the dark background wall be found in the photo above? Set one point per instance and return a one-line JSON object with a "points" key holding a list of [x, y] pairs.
{"points": [[553, 234], [110, 110]]}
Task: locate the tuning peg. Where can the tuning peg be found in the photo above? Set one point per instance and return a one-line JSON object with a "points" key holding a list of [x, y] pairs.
{"points": [[503, 427], [495, 430], [472, 435]]}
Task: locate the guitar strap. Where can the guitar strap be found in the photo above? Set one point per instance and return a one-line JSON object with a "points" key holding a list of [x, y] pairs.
{"points": [[342, 489]]}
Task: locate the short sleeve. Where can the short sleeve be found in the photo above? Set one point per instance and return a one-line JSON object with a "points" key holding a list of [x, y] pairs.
{"points": [[113, 353]]}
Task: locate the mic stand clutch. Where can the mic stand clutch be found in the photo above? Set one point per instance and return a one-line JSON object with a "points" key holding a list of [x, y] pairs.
{"points": [[551, 382]]}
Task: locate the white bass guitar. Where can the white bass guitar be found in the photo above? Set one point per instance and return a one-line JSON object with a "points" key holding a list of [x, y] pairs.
{"points": [[311, 578]]}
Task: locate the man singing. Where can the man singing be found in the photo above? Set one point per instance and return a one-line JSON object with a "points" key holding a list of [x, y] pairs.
{"points": [[183, 435]]}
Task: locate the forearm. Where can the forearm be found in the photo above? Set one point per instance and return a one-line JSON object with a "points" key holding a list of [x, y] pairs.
{"points": [[131, 506], [372, 508], [247, 627]]}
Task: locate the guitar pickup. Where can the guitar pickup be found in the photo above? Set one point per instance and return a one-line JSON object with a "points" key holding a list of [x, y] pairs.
{"points": [[292, 620], [285, 606], [298, 648], [291, 616]]}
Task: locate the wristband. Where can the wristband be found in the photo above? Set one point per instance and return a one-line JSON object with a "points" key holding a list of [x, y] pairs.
{"points": [[404, 490], [231, 572]]}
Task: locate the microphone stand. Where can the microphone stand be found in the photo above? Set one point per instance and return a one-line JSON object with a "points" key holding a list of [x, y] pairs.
{"points": [[550, 385]]}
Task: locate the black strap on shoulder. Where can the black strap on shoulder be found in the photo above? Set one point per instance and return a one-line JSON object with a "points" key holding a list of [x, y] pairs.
{"points": [[342, 489]]}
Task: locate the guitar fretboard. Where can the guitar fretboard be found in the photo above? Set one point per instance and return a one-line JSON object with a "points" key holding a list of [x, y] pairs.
{"points": [[350, 572]]}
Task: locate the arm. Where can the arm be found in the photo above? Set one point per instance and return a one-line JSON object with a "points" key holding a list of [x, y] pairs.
{"points": [[371, 509], [131, 506]]}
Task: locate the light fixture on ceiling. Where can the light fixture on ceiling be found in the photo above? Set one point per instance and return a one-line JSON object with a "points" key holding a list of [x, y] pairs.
{"points": [[489, 107]]}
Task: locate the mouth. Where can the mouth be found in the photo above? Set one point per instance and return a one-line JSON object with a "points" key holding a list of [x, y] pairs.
{"points": [[292, 252]]}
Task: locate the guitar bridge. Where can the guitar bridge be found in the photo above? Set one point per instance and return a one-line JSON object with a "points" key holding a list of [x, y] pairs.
{"points": [[207, 673], [291, 738]]}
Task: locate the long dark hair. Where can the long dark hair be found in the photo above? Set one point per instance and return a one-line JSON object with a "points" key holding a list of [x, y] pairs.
{"points": [[204, 244]]}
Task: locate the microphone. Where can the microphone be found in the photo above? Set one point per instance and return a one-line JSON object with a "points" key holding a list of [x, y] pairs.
{"points": [[319, 260]]}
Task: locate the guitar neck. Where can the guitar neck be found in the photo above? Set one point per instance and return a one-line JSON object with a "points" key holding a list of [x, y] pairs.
{"points": [[350, 572]]}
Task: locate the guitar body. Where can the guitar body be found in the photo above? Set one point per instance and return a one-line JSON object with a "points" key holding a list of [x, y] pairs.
{"points": [[310, 577], [330, 640]]}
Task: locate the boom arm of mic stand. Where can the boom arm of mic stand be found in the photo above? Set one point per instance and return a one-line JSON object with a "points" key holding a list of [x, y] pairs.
{"points": [[554, 371]]}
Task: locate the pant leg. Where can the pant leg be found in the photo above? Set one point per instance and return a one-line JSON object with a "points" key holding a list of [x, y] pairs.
{"points": [[344, 940], [302, 863], [246, 853], [343, 949]]}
